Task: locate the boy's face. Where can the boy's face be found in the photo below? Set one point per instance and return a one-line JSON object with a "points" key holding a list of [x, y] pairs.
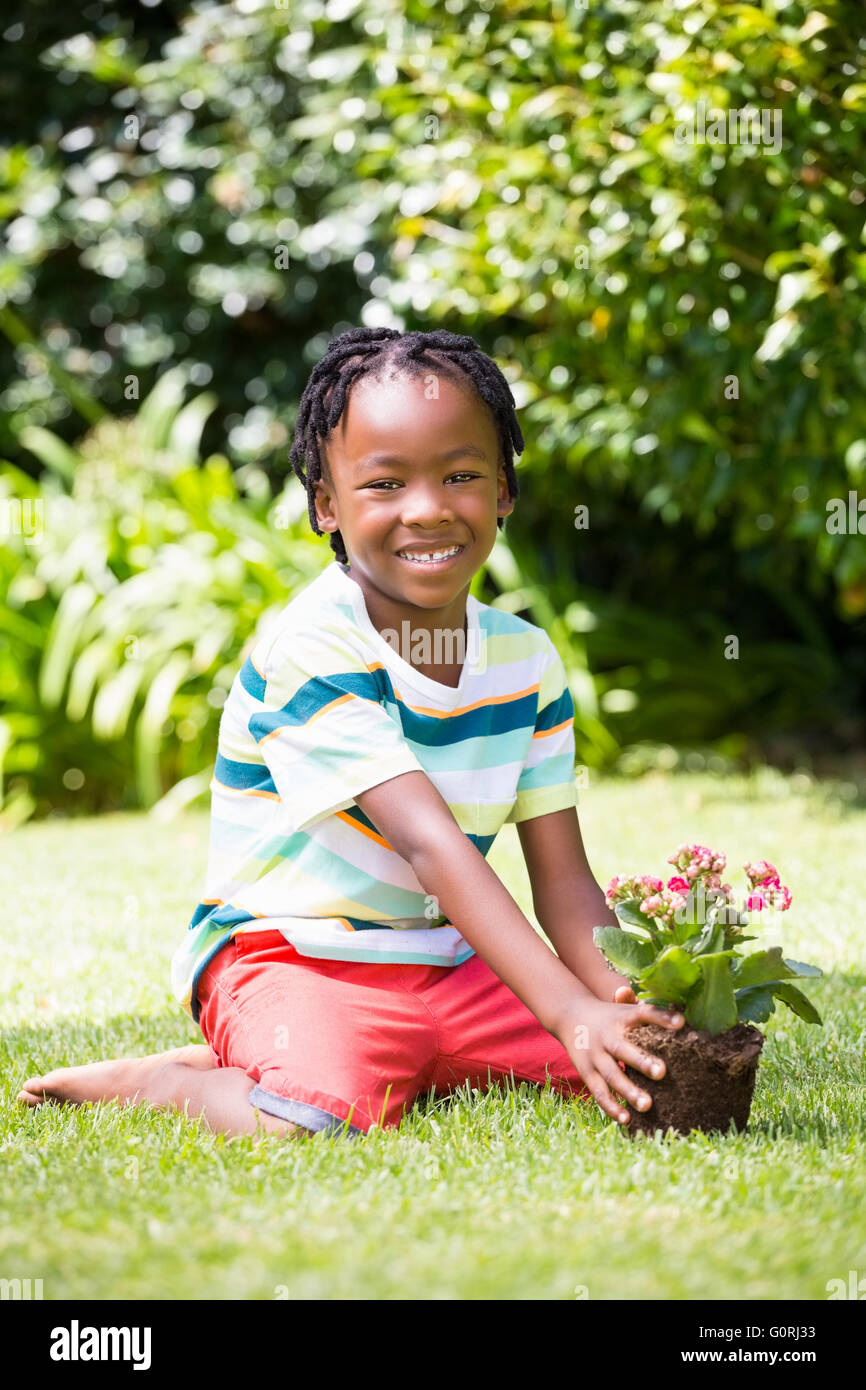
{"points": [[408, 472]]}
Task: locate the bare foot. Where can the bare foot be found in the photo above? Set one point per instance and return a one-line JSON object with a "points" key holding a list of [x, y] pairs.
{"points": [[121, 1079]]}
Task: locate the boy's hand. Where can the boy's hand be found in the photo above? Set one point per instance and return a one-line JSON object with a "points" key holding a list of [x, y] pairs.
{"points": [[594, 1036]]}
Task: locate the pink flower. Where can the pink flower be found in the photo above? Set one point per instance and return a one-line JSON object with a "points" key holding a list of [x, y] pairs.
{"points": [[662, 906], [776, 895], [696, 860], [769, 895], [764, 877], [624, 886], [699, 872], [762, 872], [652, 905]]}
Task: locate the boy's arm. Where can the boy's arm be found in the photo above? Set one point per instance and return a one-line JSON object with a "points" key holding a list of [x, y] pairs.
{"points": [[409, 812], [416, 821], [566, 898]]}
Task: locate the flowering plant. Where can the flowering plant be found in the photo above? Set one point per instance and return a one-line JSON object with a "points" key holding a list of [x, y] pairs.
{"points": [[677, 942]]}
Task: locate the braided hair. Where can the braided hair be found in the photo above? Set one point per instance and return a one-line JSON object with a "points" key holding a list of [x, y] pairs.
{"points": [[363, 351]]}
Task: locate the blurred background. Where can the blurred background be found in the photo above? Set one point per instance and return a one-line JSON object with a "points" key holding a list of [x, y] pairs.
{"points": [[196, 196]]}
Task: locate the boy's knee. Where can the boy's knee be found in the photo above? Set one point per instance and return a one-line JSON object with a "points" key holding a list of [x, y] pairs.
{"points": [[169, 1085]]}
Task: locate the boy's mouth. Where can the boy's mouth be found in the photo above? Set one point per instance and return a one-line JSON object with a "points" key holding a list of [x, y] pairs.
{"points": [[436, 558]]}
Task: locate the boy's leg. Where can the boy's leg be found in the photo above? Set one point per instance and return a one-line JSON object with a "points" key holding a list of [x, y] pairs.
{"points": [[321, 1043], [184, 1078], [488, 1035], [220, 1096], [332, 1045], [115, 1079]]}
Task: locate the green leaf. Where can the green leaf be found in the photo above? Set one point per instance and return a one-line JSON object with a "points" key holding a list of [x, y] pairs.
{"points": [[695, 426], [115, 699], [148, 729], [760, 968], [72, 610], [158, 411], [796, 1000], [781, 335], [672, 975], [692, 943], [625, 953], [854, 97], [755, 1005], [681, 931], [96, 660], [795, 285], [712, 1004], [710, 941], [186, 430], [630, 913], [645, 996], [50, 450], [800, 969]]}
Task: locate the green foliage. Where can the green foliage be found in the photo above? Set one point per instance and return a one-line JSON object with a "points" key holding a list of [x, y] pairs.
{"points": [[126, 611], [703, 974], [222, 187], [624, 951]]}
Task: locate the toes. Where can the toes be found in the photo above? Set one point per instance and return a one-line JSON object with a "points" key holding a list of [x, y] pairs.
{"points": [[32, 1092], [29, 1098]]}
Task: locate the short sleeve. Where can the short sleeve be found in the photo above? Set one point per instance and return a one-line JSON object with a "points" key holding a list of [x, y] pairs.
{"points": [[322, 728], [547, 780]]}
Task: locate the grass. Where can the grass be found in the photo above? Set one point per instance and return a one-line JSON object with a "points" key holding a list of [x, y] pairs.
{"points": [[515, 1194]]}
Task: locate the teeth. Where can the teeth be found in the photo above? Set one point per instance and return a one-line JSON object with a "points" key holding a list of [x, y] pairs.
{"points": [[432, 555]]}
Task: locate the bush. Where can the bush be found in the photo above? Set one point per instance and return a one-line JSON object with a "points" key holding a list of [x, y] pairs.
{"points": [[125, 611], [224, 186]]}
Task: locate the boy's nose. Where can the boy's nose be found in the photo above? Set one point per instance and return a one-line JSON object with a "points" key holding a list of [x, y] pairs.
{"points": [[426, 506]]}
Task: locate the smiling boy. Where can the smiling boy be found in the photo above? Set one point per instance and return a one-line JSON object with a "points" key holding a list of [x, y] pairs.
{"points": [[353, 949]]}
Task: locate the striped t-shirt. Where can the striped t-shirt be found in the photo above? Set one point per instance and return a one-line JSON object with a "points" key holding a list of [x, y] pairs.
{"points": [[325, 707]]}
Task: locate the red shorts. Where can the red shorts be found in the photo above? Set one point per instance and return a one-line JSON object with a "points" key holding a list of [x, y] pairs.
{"points": [[335, 1044]]}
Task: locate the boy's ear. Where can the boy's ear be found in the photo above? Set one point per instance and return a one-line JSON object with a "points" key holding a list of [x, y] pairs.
{"points": [[504, 503], [324, 500]]}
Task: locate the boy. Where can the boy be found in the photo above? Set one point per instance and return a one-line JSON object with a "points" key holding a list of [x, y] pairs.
{"points": [[353, 949]]}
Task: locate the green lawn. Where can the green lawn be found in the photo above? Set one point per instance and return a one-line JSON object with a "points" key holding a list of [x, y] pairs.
{"points": [[512, 1195]]}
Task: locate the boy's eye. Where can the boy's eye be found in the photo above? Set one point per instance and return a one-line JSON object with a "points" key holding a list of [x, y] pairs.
{"points": [[388, 483]]}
